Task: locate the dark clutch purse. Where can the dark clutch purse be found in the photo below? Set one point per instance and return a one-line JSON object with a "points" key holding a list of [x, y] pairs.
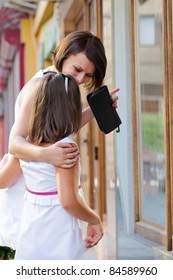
{"points": [[106, 115]]}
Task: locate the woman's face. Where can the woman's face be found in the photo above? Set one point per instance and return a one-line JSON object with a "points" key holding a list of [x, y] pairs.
{"points": [[80, 67]]}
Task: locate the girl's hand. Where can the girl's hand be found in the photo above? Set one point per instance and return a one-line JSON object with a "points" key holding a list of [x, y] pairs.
{"points": [[114, 97], [94, 234]]}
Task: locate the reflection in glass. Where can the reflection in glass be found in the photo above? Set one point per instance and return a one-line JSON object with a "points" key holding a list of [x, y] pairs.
{"points": [[151, 115], [109, 138]]}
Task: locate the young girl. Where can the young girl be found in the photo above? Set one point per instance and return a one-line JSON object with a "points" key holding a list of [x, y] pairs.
{"points": [[53, 200]]}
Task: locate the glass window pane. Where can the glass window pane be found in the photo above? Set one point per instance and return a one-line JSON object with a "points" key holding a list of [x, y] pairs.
{"points": [[147, 30], [151, 111]]}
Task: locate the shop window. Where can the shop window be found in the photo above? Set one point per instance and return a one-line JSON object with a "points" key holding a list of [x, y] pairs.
{"points": [[147, 30]]}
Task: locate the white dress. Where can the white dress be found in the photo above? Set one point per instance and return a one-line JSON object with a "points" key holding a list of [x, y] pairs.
{"points": [[47, 231], [11, 206], [11, 200]]}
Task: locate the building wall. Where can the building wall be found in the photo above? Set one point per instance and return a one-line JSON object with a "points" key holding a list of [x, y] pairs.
{"points": [[30, 48]]}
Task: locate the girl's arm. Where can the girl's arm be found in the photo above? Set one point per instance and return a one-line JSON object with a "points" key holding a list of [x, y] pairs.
{"points": [[61, 154], [9, 172], [69, 197], [73, 203]]}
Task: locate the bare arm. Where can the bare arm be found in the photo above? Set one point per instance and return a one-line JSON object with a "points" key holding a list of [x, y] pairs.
{"points": [[9, 172], [73, 203], [4, 160], [87, 115], [69, 197], [61, 154], [18, 145]]}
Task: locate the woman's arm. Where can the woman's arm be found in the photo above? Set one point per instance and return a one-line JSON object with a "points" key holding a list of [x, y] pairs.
{"points": [[9, 172], [4, 160], [61, 154], [87, 115]]}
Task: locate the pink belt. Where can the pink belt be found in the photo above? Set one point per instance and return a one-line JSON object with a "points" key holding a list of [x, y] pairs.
{"points": [[44, 193]]}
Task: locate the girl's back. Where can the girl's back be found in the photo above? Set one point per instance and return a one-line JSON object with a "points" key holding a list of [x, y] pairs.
{"points": [[58, 233]]}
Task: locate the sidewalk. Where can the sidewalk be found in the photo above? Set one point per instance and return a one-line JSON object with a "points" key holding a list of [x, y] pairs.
{"points": [[128, 247]]}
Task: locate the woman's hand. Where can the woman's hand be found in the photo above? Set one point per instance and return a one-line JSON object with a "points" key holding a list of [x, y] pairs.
{"points": [[64, 155], [94, 234], [114, 97]]}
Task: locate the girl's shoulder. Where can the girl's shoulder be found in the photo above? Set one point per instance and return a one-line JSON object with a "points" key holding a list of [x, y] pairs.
{"points": [[68, 139]]}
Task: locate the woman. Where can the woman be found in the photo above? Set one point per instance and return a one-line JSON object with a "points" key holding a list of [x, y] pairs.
{"points": [[82, 55], [54, 201]]}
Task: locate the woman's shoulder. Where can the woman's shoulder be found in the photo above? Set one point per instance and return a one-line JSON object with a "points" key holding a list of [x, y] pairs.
{"points": [[39, 74], [34, 80], [28, 91]]}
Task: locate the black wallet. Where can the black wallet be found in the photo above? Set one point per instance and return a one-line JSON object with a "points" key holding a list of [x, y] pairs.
{"points": [[106, 115]]}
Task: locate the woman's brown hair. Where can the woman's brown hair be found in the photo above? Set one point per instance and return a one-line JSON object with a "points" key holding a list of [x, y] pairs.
{"points": [[56, 110], [83, 41]]}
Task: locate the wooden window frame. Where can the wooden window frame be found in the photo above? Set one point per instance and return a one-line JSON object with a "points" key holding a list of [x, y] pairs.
{"points": [[101, 137], [145, 229]]}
